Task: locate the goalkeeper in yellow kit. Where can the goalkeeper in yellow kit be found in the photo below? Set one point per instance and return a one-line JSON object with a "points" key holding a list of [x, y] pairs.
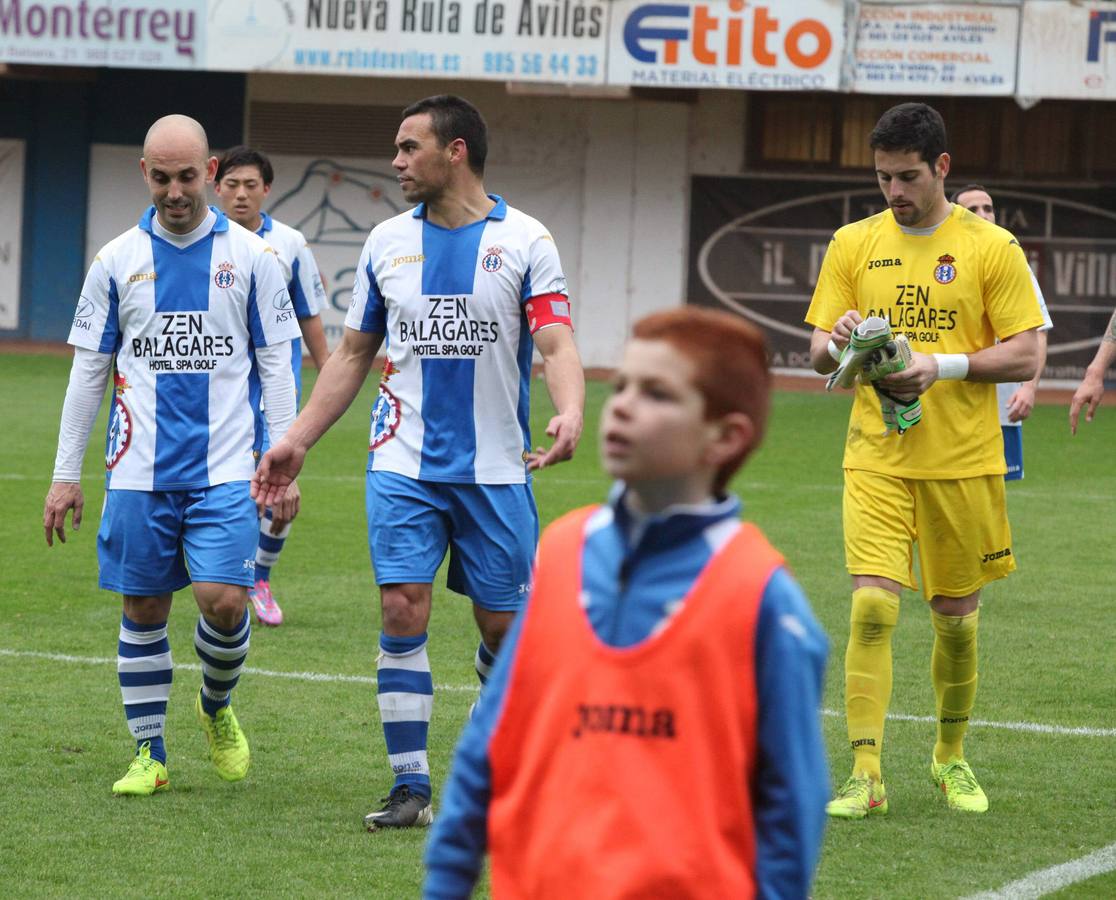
{"points": [[953, 284]]}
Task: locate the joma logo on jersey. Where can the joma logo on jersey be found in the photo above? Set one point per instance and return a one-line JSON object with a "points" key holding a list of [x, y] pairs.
{"points": [[883, 263], [224, 278], [635, 721], [141, 276], [403, 260], [999, 554]]}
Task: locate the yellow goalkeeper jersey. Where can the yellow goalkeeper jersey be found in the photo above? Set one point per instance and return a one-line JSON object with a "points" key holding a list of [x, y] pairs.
{"points": [[956, 290]]}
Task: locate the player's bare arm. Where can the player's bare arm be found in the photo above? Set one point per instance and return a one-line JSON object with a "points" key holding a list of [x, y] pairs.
{"points": [[314, 335], [62, 497], [820, 356], [1022, 402], [336, 388], [565, 382], [1091, 389], [1013, 359]]}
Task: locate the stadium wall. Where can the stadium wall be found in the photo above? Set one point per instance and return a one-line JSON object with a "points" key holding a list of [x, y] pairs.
{"points": [[610, 177]]}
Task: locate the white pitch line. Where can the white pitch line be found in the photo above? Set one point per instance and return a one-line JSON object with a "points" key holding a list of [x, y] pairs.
{"points": [[1033, 727], [1046, 881], [248, 670]]}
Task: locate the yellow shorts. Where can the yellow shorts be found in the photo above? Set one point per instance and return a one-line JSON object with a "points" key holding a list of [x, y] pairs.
{"points": [[960, 526]]}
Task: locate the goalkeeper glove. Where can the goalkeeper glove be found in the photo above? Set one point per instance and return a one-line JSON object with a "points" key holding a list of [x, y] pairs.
{"points": [[867, 338], [894, 356], [898, 415]]}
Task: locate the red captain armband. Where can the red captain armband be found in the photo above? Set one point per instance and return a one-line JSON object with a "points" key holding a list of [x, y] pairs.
{"points": [[548, 309]]}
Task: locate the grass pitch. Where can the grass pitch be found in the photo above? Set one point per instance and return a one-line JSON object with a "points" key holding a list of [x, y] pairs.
{"points": [[293, 827]]}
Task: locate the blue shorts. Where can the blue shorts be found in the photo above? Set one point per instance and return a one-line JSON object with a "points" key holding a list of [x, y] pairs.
{"points": [[1013, 451], [155, 542], [490, 530]]}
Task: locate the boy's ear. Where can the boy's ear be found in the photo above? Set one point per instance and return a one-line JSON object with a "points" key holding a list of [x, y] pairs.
{"points": [[734, 437]]}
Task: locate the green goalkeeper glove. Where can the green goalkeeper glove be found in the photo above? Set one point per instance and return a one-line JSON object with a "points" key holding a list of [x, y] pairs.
{"points": [[893, 356], [868, 337], [898, 415]]}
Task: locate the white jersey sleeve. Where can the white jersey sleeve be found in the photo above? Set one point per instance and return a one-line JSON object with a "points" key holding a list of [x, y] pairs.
{"points": [[367, 311], [96, 324], [1048, 323], [273, 318], [307, 290]]}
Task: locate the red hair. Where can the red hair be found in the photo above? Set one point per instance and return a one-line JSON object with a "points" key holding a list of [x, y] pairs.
{"points": [[730, 367]]}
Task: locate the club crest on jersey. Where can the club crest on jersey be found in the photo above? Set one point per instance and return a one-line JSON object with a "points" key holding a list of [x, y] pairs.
{"points": [[945, 271], [492, 261], [225, 277], [386, 416], [120, 424]]}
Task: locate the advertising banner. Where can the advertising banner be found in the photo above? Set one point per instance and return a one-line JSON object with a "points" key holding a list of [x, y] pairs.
{"points": [[138, 34], [727, 44], [504, 40], [11, 229], [757, 244], [1066, 49], [937, 48]]}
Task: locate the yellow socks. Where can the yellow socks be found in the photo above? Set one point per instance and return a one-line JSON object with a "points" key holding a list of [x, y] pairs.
{"points": [[875, 612], [953, 671]]}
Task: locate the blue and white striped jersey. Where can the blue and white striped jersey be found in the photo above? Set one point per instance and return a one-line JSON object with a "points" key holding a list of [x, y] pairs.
{"points": [[181, 322], [304, 282], [453, 307], [300, 269]]}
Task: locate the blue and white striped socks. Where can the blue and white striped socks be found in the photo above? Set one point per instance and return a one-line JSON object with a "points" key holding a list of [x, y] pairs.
{"points": [[483, 662], [405, 692], [267, 551], [222, 654], [145, 670]]}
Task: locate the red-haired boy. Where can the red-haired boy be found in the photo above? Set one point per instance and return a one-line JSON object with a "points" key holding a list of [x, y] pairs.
{"points": [[651, 727]]}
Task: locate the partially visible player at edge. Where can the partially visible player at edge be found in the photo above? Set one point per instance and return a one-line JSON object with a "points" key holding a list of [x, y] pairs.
{"points": [[459, 291], [664, 681], [176, 306], [1091, 389], [244, 179], [960, 289], [1014, 399]]}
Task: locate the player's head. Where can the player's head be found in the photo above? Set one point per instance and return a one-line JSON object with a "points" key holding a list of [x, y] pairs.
{"points": [[438, 139], [976, 199], [244, 179], [176, 165], [909, 144], [690, 400]]}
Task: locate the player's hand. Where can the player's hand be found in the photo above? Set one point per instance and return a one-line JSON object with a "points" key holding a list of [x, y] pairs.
{"points": [[913, 380], [565, 428], [1088, 392], [62, 497], [284, 512], [844, 327], [275, 473], [1021, 403]]}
